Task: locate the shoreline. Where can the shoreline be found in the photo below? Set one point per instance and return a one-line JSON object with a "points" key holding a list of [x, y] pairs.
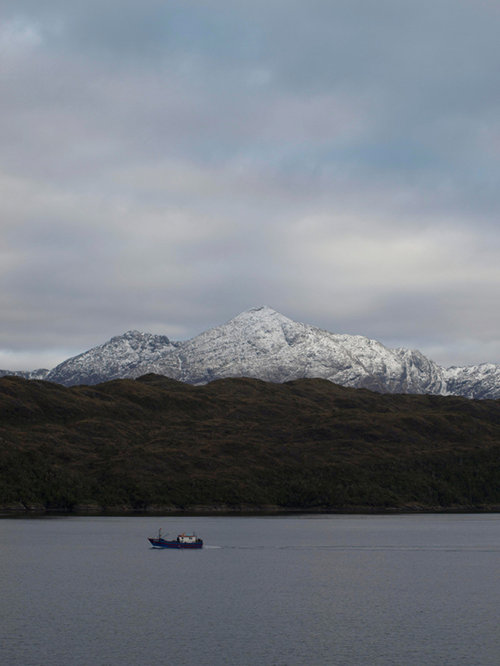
{"points": [[36, 510]]}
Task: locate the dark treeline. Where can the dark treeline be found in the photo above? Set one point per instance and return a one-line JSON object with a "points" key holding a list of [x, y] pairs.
{"points": [[153, 443]]}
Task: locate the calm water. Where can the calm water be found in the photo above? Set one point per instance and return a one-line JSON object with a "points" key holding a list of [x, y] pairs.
{"points": [[407, 590]]}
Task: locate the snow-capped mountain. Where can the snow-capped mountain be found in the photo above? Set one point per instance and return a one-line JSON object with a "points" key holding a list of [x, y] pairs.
{"points": [[41, 373], [114, 359], [474, 381], [264, 344]]}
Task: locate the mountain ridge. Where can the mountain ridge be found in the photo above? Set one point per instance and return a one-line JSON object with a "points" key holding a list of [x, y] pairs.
{"points": [[261, 343]]}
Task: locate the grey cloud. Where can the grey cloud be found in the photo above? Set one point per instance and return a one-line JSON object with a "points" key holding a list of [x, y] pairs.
{"points": [[164, 166]]}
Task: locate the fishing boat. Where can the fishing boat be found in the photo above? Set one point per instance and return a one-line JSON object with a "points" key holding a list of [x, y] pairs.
{"points": [[182, 541]]}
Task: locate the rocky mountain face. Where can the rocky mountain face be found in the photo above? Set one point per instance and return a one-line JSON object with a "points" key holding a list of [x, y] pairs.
{"points": [[112, 360], [474, 381], [263, 344]]}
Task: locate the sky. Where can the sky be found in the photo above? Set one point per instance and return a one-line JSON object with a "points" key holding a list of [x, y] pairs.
{"points": [[165, 166]]}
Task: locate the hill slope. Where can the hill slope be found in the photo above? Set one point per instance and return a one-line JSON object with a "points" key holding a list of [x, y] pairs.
{"points": [[308, 444]]}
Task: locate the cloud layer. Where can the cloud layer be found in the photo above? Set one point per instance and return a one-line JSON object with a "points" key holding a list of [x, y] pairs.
{"points": [[164, 166]]}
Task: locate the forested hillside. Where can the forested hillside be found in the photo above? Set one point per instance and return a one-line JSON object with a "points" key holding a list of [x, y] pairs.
{"points": [[241, 444]]}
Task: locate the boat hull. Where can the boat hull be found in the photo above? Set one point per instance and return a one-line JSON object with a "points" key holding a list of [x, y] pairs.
{"points": [[163, 543]]}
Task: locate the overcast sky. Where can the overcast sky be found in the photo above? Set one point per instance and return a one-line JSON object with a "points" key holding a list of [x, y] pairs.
{"points": [[165, 165]]}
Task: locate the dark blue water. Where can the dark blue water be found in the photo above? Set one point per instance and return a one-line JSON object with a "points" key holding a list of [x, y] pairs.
{"points": [[406, 590]]}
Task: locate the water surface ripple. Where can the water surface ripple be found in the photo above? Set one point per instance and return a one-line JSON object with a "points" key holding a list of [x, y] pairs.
{"points": [[346, 590]]}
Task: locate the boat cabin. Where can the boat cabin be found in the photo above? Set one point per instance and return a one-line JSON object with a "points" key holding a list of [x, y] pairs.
{"points": [[187, 538]]}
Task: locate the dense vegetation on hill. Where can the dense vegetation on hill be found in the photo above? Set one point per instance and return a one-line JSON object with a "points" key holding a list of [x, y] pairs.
{"points": [[154, 443]]}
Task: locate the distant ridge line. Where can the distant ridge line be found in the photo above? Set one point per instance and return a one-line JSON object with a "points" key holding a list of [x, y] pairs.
{"points": [[263, 344]]}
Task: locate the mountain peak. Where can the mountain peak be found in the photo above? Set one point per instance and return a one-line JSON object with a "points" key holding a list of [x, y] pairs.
{"points": [[137, 335], [260, 314], [113, 359], [263, 309]]}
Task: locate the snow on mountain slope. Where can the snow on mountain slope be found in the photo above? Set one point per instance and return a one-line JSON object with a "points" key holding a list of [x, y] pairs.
{"points": [[264, 344], [41, 373], [420, 374], [112, 360], [475, 381]]}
